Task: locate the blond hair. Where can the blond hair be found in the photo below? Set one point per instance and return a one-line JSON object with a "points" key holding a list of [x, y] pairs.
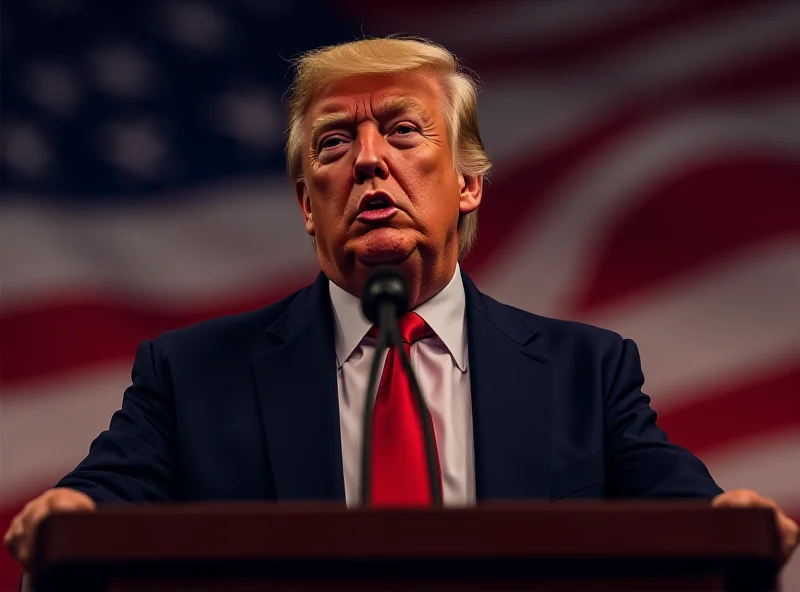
{"points": [[391, 55]]}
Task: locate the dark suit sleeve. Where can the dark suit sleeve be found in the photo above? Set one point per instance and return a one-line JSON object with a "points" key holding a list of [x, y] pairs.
{"points": [[641, 461], [134, 460]]}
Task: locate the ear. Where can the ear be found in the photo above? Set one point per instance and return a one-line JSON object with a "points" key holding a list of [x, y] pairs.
{"points": [[471, 193], [304, 201]]}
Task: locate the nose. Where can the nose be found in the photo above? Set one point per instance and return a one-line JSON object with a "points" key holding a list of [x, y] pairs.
{"points": [[370, 158]]}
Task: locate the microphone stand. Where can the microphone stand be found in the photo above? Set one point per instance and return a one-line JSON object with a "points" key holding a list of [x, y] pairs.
{"points": [[389, 334], [387, 317]]}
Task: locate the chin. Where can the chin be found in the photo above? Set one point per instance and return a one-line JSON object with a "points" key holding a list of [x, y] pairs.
{"points": [[384, 247], [375, 258]]}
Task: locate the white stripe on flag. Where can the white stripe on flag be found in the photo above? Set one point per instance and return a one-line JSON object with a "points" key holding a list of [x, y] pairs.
{"points": [[38, 442], [769, 465], [721, 325], [559, 245], [179, 249], [497, 25], [572, 99]]}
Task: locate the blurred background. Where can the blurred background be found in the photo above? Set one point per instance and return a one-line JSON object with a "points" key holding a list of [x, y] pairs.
{"points": [[647, 179]]}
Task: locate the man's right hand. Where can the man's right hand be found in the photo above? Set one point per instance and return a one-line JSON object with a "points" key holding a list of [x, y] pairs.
{"points": [[20, 536]]}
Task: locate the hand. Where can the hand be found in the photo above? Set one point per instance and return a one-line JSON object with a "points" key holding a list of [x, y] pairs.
{"points": [[20, 536], [745, 498]]}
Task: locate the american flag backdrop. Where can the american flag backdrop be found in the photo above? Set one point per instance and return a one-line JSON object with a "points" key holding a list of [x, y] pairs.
{"points": [[647, 180]]}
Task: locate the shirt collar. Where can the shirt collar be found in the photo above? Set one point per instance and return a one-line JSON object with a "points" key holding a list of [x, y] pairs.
{"points": [[444, 313]]}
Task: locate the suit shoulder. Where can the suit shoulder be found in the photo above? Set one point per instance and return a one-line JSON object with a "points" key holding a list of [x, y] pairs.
{"points": [[570, 329], [559, 331], [574, 346]]}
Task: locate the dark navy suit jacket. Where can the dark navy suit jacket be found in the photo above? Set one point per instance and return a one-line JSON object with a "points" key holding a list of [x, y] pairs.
{"points": [[246, 408]]}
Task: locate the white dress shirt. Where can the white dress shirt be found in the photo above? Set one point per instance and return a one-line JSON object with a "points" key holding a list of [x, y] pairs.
{"points": [[441, 365]]}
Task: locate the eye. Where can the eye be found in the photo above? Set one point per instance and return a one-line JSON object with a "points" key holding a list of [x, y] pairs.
{"points": [[404, 129], [330, 142]]}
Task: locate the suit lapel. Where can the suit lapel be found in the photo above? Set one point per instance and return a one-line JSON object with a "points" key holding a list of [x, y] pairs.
{"points": [[511, 388], [297, 389]]}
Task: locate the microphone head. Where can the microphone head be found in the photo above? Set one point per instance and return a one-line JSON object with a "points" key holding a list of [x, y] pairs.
{"points": [[384, 284]]}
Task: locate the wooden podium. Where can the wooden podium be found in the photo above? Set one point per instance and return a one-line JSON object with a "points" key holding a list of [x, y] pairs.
{"points": [[567, 546]]}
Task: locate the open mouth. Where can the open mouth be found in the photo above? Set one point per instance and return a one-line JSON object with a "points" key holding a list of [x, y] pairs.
{"points": [[377, 209], [379, 203]]}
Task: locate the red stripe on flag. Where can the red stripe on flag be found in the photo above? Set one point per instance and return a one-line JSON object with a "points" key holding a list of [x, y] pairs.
{"points": [[569, 51], [771, 73], [739, 414], [516, 195], [73, 333], [10, 571], [744, 199]]}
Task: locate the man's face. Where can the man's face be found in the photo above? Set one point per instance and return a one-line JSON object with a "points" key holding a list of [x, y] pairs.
{"points": [[379, 184]]}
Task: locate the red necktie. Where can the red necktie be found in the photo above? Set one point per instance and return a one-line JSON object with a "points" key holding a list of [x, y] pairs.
{"points": [[399, 469]]}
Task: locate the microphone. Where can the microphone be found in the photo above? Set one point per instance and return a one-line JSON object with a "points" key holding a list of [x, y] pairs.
{"points": [[384, 301]]}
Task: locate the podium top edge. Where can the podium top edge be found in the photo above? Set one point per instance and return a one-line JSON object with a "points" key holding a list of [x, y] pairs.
{"points": [[501, 508]]}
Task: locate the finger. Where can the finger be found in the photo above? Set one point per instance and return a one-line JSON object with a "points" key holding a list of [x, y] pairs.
{"points": [[738, 498], [788, 530], [9, 531], [30, 520], [756, 501], [69, 503], [10, 543], [14, 534], [33, 516], [745, 498], [767, 503]]}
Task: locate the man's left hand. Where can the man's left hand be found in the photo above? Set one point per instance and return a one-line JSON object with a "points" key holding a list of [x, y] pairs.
{"points": [[745, 498]]}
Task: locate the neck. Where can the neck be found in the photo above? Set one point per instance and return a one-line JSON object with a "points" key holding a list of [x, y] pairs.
{"points": [[422, 286]]}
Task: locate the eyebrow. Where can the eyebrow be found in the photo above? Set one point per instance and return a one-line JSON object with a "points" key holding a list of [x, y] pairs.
{"points": [[385, 109]]}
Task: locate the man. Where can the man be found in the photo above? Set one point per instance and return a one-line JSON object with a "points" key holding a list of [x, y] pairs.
{"points": [[388, 166]]}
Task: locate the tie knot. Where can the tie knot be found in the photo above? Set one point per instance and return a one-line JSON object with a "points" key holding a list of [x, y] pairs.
{"points": [[413, 328]]}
